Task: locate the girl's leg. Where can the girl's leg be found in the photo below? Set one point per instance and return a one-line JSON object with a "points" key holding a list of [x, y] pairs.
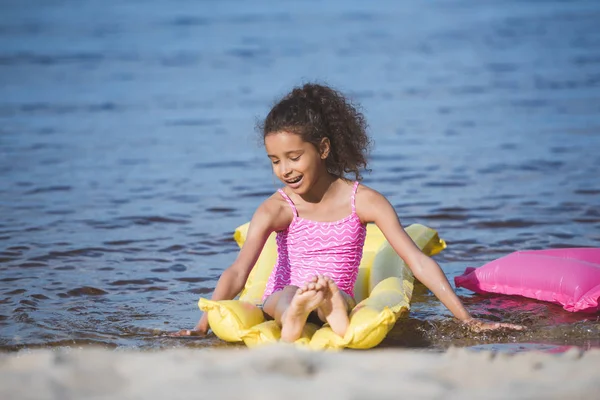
{"points": [[336, 307], [291, 306], [276, 304]]}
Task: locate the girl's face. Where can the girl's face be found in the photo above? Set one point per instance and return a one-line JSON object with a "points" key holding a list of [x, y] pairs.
{"points": [[296, 163]]}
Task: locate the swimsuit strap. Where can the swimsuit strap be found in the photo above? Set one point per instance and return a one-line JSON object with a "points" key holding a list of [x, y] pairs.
{"points": [[353, 197], [289, 201]]}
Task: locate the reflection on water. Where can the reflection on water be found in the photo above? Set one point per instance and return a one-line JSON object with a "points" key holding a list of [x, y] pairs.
{"points": [[128, 156]]}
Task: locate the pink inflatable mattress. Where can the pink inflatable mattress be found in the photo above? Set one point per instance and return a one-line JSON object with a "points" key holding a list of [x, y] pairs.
{"points": [[569, 277]]}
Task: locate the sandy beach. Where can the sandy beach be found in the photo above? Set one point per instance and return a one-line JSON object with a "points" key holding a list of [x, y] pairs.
{"points": [[279, 371]]}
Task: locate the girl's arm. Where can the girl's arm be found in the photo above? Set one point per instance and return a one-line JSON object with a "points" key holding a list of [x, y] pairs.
{"points": [[376, 208], [267, 219]]}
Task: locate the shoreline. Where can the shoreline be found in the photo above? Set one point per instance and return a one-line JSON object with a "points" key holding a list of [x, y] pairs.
{"points": [[283, 370]]}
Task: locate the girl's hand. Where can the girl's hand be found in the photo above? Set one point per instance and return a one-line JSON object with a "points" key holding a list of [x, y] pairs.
{"points": [[187, 332], [200, 329], [477, 325]]}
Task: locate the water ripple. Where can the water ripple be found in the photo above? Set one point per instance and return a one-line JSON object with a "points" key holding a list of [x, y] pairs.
{"points": [[128, 156]]}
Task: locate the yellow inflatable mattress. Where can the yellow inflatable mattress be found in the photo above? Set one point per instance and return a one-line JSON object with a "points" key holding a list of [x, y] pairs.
{"points": [[382, 291]]}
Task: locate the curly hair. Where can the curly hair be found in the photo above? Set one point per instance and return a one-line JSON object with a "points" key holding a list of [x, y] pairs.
{"points": [[315, 112]]}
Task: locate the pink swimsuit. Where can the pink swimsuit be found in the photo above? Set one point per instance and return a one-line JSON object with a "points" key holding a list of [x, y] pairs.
{"points": [[307, 248]]}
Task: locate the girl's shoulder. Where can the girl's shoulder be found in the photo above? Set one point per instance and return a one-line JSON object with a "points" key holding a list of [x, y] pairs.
{"points": [[274, 212], [367, 195], [366, 192], [369, 202]]}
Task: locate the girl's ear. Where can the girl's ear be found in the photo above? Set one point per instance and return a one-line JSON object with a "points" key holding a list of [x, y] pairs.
{"points": [[324, 148]]}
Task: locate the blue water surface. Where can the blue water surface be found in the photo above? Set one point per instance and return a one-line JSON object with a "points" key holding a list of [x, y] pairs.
{"points": [[128, 153]]}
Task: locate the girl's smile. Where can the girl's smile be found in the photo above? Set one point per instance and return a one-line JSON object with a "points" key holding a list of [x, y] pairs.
{"points": [[294, 183]]}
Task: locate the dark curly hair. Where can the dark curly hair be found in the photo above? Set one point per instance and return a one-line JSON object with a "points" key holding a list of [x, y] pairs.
{"points": [[315, 112]]}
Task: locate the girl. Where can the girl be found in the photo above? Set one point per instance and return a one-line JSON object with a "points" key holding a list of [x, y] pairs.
{"points": [[314, 137]]}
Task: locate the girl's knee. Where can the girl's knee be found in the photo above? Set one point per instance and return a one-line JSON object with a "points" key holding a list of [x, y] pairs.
{"points": [[279, 300], [290, 289]]}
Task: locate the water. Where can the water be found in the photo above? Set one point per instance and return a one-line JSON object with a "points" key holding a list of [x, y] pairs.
{"points": [[128, 153]]}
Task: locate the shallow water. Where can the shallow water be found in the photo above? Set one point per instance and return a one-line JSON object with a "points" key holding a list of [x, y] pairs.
{"points": [[128, 155]]}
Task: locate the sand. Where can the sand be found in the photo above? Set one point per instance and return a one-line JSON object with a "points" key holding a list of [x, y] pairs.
{"points": [[282, 371]]}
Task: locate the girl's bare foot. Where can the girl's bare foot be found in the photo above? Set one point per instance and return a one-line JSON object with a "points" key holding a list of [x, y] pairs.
{"points": [[307, 299], [334, 308]]}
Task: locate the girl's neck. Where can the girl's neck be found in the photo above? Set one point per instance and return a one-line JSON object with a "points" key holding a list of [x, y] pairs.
{"points": [[321, 189]]}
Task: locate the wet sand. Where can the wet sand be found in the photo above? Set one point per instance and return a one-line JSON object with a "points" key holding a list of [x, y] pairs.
{"points": [[281, 371]]}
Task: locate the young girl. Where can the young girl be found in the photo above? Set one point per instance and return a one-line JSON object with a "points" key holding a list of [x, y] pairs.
{"points": [[314, 137]]}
